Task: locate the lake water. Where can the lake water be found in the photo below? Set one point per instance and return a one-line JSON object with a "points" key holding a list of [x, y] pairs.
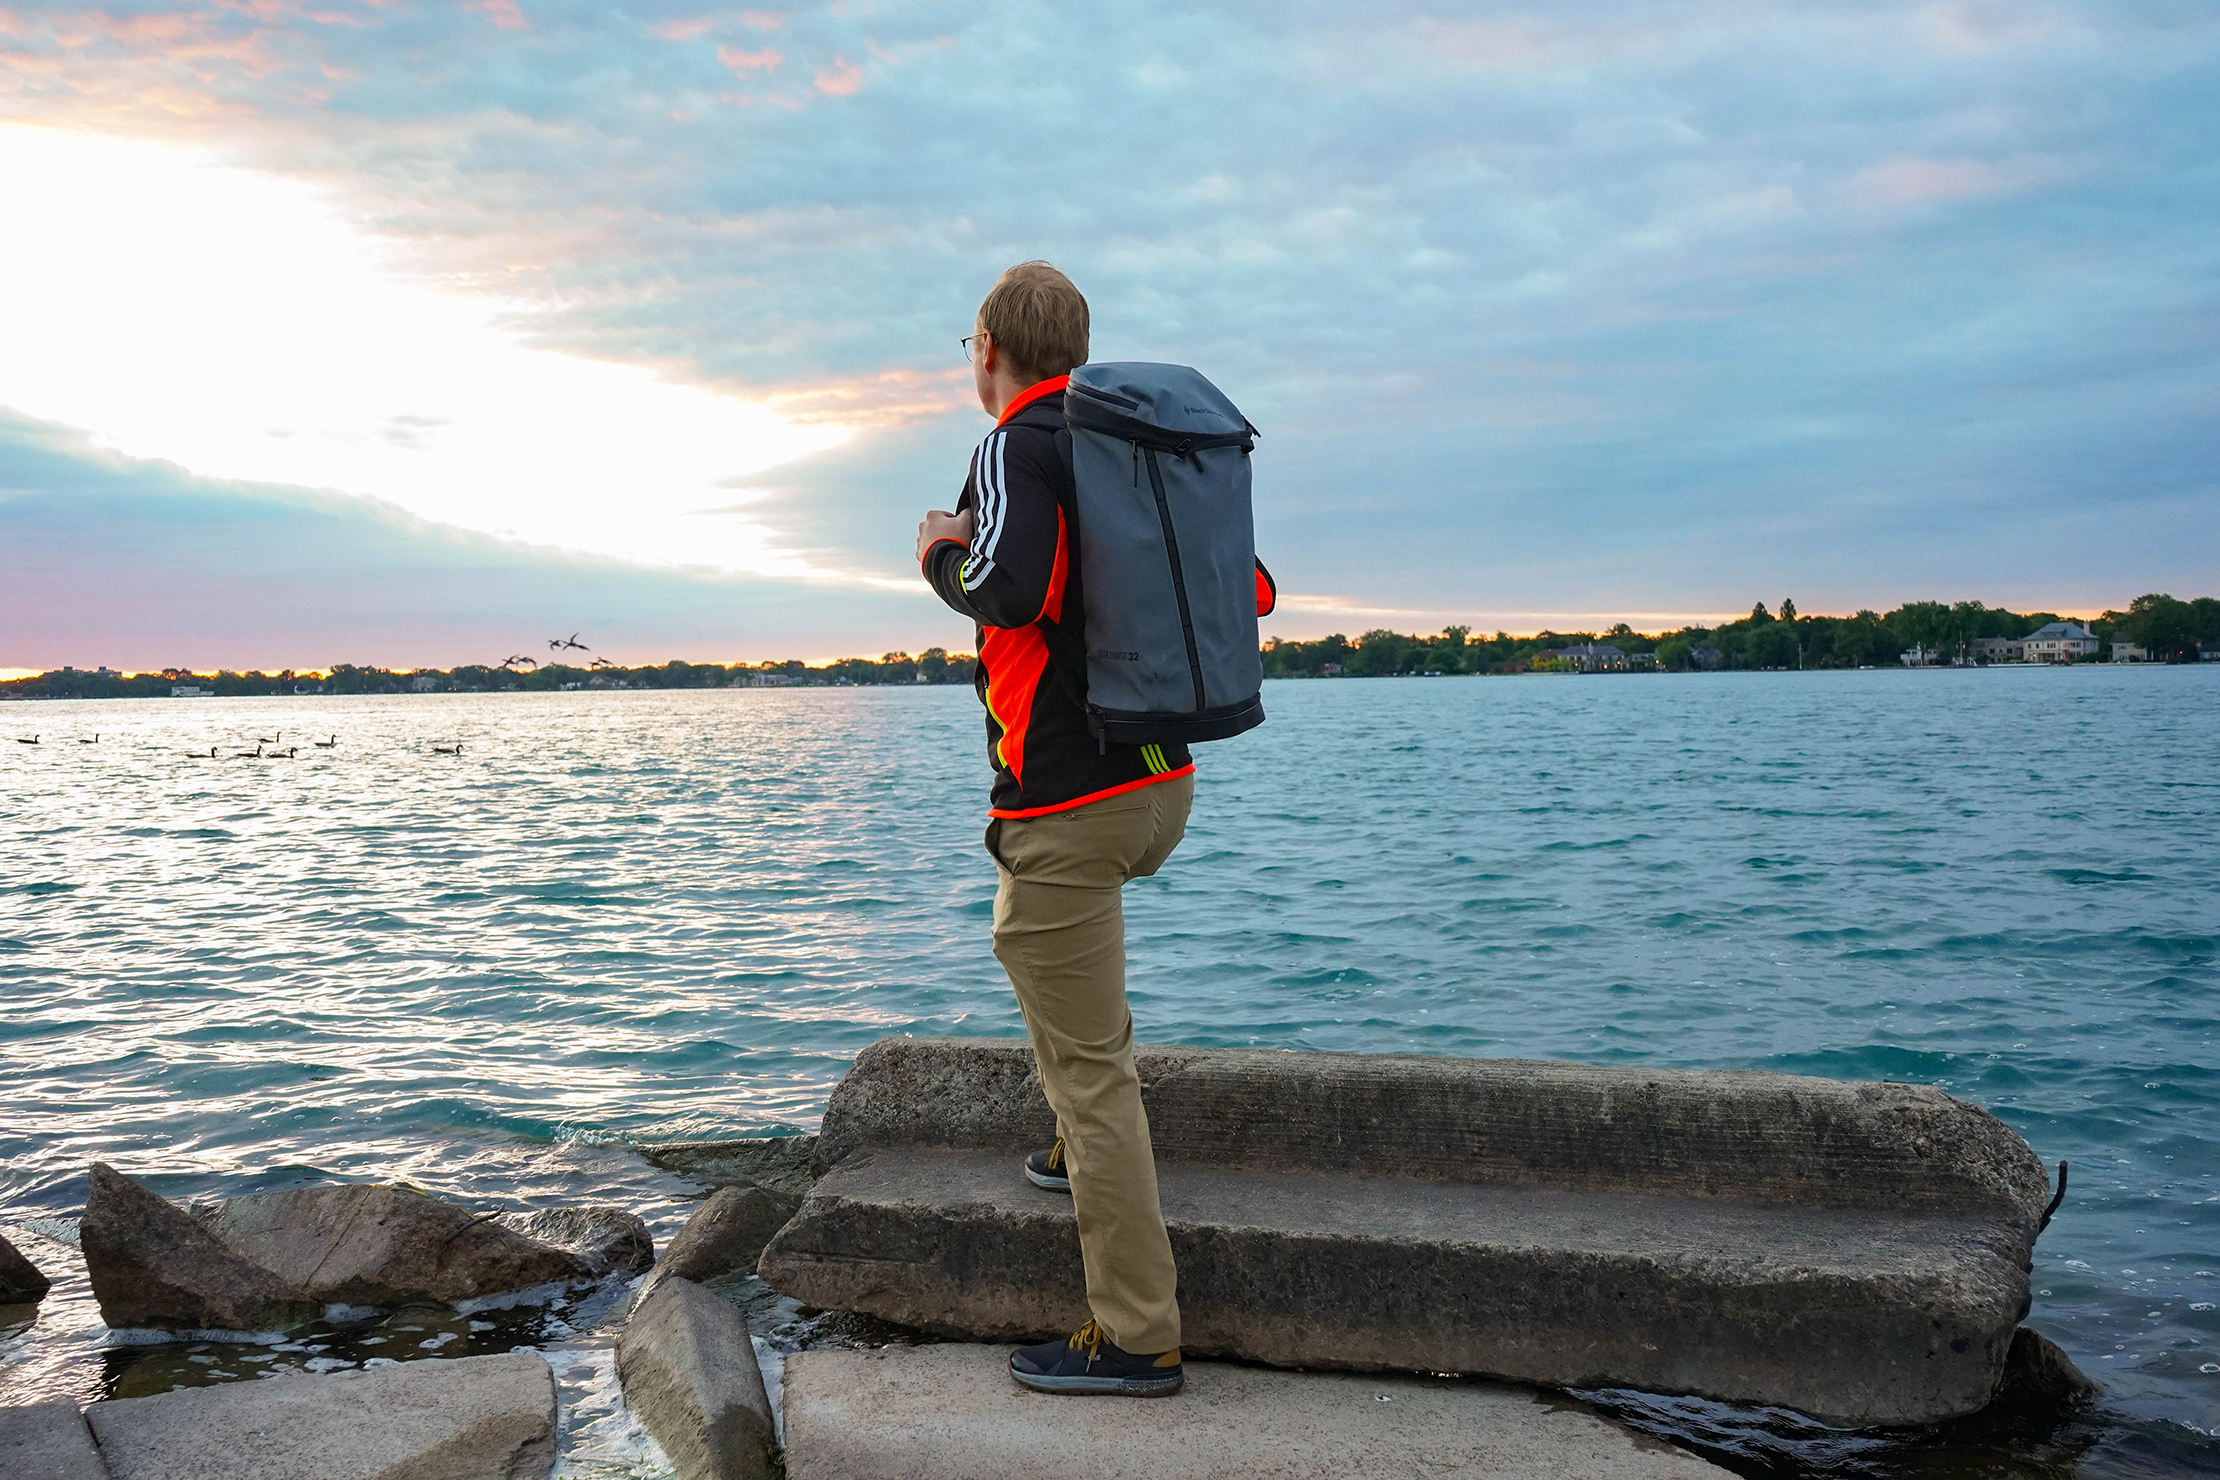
{"points": [[620, 917]]}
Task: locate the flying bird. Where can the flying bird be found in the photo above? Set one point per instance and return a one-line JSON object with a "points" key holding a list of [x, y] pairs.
{"points": [[601, 663], [515, 659], [556, 643]]}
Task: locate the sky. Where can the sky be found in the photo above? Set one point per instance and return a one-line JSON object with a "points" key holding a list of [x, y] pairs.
{"points": [[386, 332]]}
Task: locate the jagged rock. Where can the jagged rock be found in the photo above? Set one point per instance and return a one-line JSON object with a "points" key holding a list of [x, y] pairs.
{"points": [[385, 1245], [606, 1238], [1855, 1251], [47, 1441], [780, 1165], [725, 1235], [153, 1266], [2040, 1380], [689, 1373], [20, 1280], [472, 1418]]}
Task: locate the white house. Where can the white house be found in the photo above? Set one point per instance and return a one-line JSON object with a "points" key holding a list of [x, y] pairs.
{"points": [[2124, 651], [2060, 642]]}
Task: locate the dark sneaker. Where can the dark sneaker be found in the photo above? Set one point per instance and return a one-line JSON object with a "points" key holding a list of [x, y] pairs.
{"points": [[1048, 1169], [1086, 1362]]}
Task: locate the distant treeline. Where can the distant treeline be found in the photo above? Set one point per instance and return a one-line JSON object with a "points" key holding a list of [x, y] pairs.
{"points": [[934, 665], [2166, 627]]}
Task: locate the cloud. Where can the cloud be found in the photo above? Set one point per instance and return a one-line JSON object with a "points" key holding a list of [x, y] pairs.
{"points": [[131, 563], [1545, 309]]}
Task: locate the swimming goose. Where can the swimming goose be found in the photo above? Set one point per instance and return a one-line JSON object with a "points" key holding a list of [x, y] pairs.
{"points": [[196, 755], [21, 741], [95, 740], [327, 744], [454, 749], [247, 755]]}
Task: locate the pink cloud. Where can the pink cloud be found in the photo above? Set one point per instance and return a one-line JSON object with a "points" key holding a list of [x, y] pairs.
{"points": [[687, 29], [1907, 181], [503, 13], [744, 62], [763, 20], [843, 79]]}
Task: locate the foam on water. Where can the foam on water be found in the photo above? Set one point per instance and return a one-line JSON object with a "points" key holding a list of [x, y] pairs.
{"points": [[644, 916]]}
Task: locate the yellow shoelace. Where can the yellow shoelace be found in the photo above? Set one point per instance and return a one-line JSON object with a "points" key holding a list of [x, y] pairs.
{"points": [[1090, 1337]]}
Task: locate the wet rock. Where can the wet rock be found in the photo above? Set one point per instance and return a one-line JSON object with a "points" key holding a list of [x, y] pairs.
{"points": [[780, 1165], [473, 1418], [725, 1235], [1559, 1224], [385, 1245], [152, 1265], [689, 1373], [20, 1280], [2041, 1381], [607, 1239], [48, 1441], [952, 1413]]}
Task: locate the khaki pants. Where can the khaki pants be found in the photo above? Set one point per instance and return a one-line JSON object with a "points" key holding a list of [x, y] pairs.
{"points": [[1059, 930]]}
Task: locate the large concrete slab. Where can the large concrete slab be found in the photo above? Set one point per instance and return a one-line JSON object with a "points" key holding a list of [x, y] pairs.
{"points": [[473, 1418], [47, 1441], [688, 1370], [1855, 1251], [952, 1413]]}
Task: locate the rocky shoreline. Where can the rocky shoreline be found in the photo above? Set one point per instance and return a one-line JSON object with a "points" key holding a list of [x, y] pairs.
{"points": [[869, 1218]]}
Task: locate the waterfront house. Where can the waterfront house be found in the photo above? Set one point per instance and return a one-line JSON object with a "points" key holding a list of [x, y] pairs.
{"points": [[2061, 642], [1996, 649], [1706, 658], [2124, 651], [424, 683], [2208, 652], [190, 691], [1588, 657]]}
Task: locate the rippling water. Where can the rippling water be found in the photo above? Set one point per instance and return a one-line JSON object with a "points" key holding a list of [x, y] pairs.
{"points": [[641, 916]]}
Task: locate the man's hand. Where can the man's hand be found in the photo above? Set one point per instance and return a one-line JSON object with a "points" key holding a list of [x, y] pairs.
{"points": [[939, 525]]}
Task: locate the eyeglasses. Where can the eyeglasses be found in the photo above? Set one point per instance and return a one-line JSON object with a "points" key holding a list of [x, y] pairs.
{"points": [[971, 355]]}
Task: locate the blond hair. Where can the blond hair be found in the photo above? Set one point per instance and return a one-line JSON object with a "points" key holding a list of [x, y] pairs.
{"points": [[1038, 319]]}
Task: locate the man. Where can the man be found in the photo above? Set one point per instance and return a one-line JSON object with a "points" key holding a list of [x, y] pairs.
{"points": [[1073, 818]]}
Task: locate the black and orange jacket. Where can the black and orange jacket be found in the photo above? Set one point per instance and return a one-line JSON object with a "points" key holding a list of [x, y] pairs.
{"points": [[1019, 580]]}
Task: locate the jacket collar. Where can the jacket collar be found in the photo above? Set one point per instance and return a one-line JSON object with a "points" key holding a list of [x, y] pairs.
{"points": [[1030, 394]]}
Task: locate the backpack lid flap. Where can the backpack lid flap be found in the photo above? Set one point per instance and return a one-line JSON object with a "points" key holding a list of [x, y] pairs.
{"points": [[1174, 402]]}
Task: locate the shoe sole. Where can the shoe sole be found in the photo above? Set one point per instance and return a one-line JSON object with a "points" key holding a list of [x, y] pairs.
{"points": [[1043, 1179], [1101, 1387]]}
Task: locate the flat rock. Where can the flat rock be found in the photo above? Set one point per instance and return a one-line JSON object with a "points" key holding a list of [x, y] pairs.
{"points": [[384, 1245], [1854, 1251], [47, 1441], [689, 1374], [153, 1266], [20, 1280], [473, 1418], [952, 1413], [725, 1235], [609, 1240], [780, 1165]]}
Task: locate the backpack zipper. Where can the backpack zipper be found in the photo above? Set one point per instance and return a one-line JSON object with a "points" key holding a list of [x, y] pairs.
{"points": [[1179, 579]]}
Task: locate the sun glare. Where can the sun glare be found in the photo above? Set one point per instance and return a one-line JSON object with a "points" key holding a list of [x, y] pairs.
{"points": [[175, 307]]}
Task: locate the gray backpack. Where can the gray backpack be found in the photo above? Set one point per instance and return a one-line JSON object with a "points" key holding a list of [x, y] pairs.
{"points": [[1167, 555]]}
